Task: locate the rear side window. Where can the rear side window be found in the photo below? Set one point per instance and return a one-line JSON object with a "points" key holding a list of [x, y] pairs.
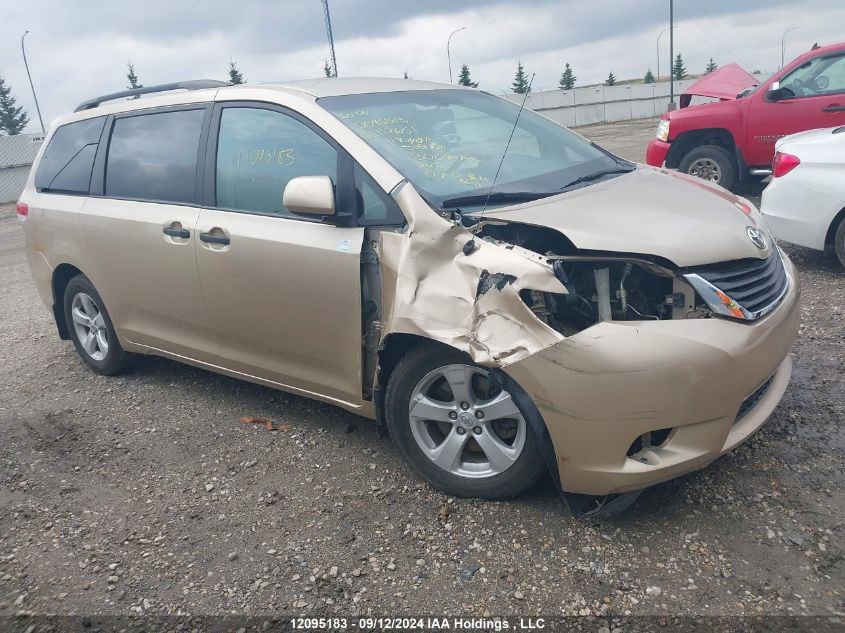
{"points": [[68, 160], [154, 156]]}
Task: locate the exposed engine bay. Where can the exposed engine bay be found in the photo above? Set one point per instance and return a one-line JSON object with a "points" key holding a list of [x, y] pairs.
{"points": [[601, 291], [599, 287]]}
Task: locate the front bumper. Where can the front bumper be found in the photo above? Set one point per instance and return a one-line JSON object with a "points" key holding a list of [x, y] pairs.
{"points": [[655, 154], [601, 389]]}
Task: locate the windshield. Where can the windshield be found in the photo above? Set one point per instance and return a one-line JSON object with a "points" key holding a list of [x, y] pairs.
{"points": [[449, 143]]}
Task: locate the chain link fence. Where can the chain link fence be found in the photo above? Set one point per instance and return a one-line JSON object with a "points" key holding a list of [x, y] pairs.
{"points": [[17, 154]]}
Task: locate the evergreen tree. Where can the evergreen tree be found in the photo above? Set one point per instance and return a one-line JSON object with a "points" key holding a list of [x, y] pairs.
{"points": [[327, 69], [649, 77], [132, 78], [611, 79], [520, 83], [12, 118], [235, 76], [464, 78], [711, 66], [678, 70], [567, 78]]}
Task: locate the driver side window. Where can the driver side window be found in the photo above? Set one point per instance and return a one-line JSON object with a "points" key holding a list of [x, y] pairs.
{"points": [[818, 77], [259, 151]]}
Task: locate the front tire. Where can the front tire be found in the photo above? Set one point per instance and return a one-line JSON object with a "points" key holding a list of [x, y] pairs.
{"points": [[458, 429], [91, 329], [712, 163]]}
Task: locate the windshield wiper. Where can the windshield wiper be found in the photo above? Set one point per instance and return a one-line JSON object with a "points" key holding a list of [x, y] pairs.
{"points": [[495, 198], [596, 175], [612, 156]]}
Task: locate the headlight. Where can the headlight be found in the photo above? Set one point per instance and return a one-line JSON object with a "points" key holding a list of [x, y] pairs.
{"points": [[717, 300], [663, 130], [751, 282]]}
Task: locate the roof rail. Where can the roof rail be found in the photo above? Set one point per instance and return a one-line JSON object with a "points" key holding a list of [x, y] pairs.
{"points": [[195, 84]]}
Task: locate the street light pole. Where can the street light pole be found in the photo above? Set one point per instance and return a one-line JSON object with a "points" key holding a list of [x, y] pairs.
{"points": [[448, 52], [671, 55], [782, 37], [37, 109], [658, 51]]}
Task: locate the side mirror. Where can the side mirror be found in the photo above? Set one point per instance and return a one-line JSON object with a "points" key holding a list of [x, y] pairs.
{"points": [[774, 94], [310, 195]]}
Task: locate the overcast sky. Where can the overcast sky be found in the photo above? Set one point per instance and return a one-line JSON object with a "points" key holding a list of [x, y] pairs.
{"points": [[79, 49]]}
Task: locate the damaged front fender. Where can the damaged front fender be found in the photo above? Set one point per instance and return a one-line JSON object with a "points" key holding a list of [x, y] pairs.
{"points": [[467, 298]]}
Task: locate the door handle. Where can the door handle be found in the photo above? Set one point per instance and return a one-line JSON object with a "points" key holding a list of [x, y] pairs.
{"points": [[183, 233], [214, 239], [834, 107]]}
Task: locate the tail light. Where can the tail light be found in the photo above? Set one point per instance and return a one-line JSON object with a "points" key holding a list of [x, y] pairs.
{"points": [[784, 163], [22, 209]]}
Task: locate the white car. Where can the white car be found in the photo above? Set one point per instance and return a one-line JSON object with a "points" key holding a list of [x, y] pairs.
{"points": [[805, 201]]}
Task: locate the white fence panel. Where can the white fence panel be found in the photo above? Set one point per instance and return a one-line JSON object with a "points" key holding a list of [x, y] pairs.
{"points": [[604, 104]]}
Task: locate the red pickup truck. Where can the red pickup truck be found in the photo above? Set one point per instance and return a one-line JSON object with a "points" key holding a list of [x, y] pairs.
{"points": [[733, 140]]}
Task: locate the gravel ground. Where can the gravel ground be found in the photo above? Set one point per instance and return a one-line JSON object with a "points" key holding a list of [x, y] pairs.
{"points": [[147, 494]]}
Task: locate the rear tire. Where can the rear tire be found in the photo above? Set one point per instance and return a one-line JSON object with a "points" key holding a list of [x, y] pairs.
{"points": [[472, 449], [712, 163], [839, 242], [91, 329]]}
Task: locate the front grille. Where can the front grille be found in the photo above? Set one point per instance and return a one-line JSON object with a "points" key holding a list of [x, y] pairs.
{"points": [[751, 401], [755, 284]]}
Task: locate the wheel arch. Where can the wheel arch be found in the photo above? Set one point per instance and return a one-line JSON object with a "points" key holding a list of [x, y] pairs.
{"points": [[834, 225], [62, 275], [535, 420], [392, 348], [396, 345], [687, 141]]}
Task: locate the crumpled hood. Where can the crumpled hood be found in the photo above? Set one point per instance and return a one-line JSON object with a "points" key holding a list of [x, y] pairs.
{"points": [[723, 83], [649, 211]]}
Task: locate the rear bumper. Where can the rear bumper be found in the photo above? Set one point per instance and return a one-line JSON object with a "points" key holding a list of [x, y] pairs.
{"points": [[797, 214], [655, 154], [601, 389]]}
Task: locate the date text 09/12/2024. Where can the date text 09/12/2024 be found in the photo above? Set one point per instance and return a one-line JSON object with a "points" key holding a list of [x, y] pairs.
{"points": [[416, 624]]}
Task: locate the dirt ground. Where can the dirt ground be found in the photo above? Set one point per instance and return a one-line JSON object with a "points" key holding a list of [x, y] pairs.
{"points": [[146, 494]]}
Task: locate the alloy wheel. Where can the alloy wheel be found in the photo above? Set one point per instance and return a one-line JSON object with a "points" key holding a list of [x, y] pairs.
{"points": [[706, 169], [90, 326], [466, 423]]}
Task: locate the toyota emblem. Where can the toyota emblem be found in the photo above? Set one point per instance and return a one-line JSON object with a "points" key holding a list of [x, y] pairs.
{"points": [[757, 237]]}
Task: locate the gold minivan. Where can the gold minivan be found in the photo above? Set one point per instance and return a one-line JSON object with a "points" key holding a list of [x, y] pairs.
{"points": [[505, 296]]}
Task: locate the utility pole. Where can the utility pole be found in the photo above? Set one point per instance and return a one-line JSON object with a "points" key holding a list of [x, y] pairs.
{"points": [[448, 53], [32, 87], [781, 43], [328, 21], [671, 55], [658, 51]]}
